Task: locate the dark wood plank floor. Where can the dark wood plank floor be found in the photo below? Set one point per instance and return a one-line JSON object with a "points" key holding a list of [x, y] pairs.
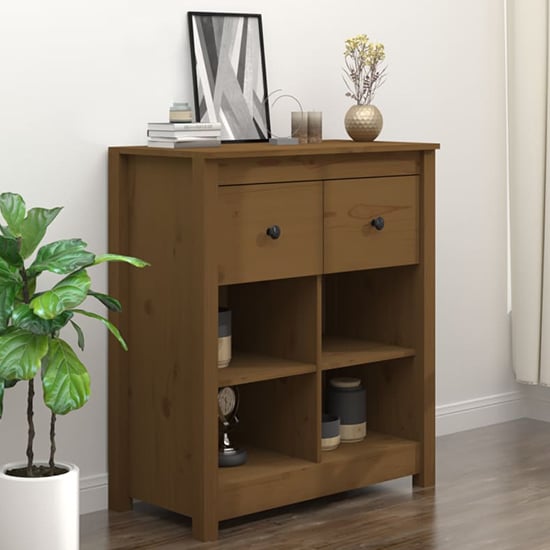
{"points": [[493, 492]]}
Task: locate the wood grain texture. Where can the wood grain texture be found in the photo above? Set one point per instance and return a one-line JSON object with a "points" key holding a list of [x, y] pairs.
{"points": [[424, 370], [276, 318], [328, 166], [246, 253], [493, 491], [345, 352], [245, 368], [158, 368], [258, 150], [279, 415], [274, 480], [118, 387], [294, 326], [350, 240]]}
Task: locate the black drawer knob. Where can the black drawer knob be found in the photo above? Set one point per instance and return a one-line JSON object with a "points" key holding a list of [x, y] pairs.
{"points": [[378, 223], [274, 231]]}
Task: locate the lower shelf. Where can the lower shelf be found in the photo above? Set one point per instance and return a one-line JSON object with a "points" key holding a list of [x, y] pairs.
{"points": [[270, 479]]}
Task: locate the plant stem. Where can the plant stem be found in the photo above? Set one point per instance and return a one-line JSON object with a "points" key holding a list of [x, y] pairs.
{"points": [[52, 442], [26, 296], [30, 422]]}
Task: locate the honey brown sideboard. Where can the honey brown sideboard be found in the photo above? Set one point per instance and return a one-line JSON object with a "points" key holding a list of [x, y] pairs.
{"points": [[347, 289]]}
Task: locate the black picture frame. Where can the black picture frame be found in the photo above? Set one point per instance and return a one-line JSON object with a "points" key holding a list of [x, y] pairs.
{"points": [[229, 75]]}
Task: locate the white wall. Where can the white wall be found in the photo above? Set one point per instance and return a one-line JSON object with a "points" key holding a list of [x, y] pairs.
{"points": [[78, 76]]}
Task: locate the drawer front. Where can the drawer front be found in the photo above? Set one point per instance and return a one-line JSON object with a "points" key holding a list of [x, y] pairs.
{"points": [[247, 253], [353, 207]]}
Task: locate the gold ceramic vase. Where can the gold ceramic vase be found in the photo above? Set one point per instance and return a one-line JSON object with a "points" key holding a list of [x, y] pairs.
{"points": [[363, 122]]}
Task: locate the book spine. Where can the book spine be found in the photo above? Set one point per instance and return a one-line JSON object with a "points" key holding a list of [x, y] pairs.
{"points": [[184, 126], [200, 125], [176, 134]]}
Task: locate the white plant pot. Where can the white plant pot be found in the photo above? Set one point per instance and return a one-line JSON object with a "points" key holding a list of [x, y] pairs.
{"points": [[40, 513]]}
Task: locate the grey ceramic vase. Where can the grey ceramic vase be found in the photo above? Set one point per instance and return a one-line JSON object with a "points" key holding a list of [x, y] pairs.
{"points": [[346, 399], [363, 122]]}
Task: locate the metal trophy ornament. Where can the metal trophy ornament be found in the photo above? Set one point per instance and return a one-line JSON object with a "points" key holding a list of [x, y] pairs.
{"points": [[228, 403], [298, 122]]}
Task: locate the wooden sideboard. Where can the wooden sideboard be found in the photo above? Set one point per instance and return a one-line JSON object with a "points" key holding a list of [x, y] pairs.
{"points": [[335, 295]]}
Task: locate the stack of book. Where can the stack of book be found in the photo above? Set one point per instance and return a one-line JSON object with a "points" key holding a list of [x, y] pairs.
{"points": [[174, 135]]}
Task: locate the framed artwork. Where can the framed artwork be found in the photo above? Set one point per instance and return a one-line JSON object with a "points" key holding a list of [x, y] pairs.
{"points": [[229, 77]]}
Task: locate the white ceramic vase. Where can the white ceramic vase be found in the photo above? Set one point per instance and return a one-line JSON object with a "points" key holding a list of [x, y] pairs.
{"points": [[39, 513]]}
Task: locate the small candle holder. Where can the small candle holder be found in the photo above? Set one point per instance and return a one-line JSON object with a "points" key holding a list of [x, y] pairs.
{"points": [[314, 126], [299, 125]]}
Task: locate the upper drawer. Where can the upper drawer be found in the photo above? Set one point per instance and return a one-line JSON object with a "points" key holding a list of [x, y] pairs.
{"points": [[245, 213], [353, 211]]}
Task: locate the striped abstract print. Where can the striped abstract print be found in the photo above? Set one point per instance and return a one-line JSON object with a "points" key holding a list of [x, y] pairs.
{"points": [[229, 74]]}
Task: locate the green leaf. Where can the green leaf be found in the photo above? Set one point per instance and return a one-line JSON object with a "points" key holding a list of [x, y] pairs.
{"points": [[136, 262], [8, 291], [62, 257], [9, 251], [111, 303], [107, 323], [25, 318], [21, 353], [5, 230], [67, 294], [65, 380], [8, 273], [12, 207], [10, 285], [34, 228], [80, 335]]}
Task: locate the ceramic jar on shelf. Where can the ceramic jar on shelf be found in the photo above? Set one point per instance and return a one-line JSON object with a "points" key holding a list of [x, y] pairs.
{"points": [[346, 399], [363, 122]]}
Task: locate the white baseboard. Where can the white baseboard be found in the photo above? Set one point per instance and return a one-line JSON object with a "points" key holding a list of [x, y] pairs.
{"points": [[476, 413], [529, 401], [93, 493]]}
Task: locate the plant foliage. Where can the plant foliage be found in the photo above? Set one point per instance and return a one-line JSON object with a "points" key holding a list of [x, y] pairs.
{"points": [[31, 322], [363, 71]]}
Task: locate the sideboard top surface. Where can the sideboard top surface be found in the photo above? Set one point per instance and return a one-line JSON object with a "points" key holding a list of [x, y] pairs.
{"points": [[262, 149]]}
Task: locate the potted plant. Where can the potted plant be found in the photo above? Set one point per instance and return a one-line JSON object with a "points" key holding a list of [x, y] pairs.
{"points": [[31, 346], [363, 75]]}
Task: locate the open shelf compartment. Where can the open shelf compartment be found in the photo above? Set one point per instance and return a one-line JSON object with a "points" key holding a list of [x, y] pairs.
{"points": [[271, 479], [370, 315]]}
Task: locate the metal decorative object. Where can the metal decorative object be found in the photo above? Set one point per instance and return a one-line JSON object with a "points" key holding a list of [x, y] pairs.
{"points": [[291, 139], [363, 122], [228, 403]]}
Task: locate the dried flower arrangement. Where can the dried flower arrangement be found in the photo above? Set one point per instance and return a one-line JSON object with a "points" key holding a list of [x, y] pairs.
{"points": [[363, 73]]}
